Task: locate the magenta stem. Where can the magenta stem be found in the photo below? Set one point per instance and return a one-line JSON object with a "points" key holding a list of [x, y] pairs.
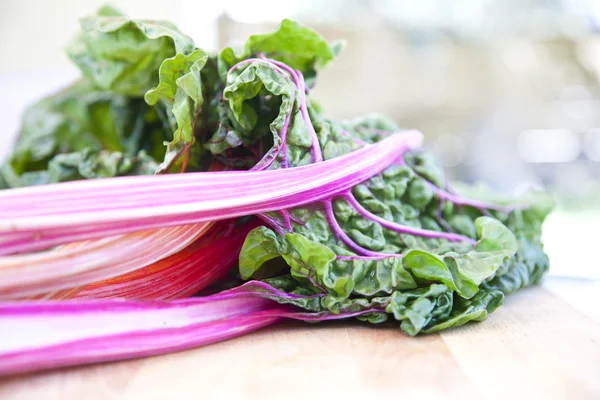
{"points": [[125, 329], [440, 217], [299, 81], [268, 159], [272, 223], [426, 233], [340, 234], [367, 258], [460, 200], [285, 215]]}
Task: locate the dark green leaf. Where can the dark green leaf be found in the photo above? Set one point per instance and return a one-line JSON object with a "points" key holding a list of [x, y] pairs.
{"points": [[466, 310], [81, 118]]}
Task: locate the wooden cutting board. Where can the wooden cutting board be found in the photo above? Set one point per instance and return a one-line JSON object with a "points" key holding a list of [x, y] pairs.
{"points": [[536, 346]]}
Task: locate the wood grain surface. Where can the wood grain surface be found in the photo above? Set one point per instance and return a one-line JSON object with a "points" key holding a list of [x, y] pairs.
{"points": [[536, 346]]}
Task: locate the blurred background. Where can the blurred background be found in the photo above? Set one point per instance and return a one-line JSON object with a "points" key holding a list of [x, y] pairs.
{"points": [[505, 91]]}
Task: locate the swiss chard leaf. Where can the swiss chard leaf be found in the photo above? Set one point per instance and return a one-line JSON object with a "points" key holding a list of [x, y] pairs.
{"points": [[476, 308], [370, 128], [82, 118], [93, 164], [180, 90], [298, 46], [397, 283], [123, 55], [464, 273], [261, 104]]}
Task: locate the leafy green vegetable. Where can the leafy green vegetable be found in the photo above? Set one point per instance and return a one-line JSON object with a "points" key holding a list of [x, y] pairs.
{"points": [[123, 55], [463, 273], [402, 244], [92, 164], [122, 60], [417, 288], [180, 89], [370, 128], [297, 46], [464, 310], [81, 118]]}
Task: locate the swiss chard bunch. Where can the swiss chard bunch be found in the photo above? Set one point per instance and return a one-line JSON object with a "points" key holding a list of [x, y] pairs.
{"points": [[398, 246], [356, 220], [402, 243]]}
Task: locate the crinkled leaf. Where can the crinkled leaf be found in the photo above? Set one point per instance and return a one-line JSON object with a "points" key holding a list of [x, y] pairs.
{"points": [[370, 128], [425, 165], [465, 310], [260, 246], [353, 284], [263, 105], [254, 79], [295, 45], [79, 118], [123, 55], [93, 164], [464, 273], [526, 268], [417, 308], [180, 90], [317, 263]]}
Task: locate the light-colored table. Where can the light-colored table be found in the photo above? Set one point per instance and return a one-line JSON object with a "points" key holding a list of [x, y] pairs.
{"points": [[544, 343]]}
